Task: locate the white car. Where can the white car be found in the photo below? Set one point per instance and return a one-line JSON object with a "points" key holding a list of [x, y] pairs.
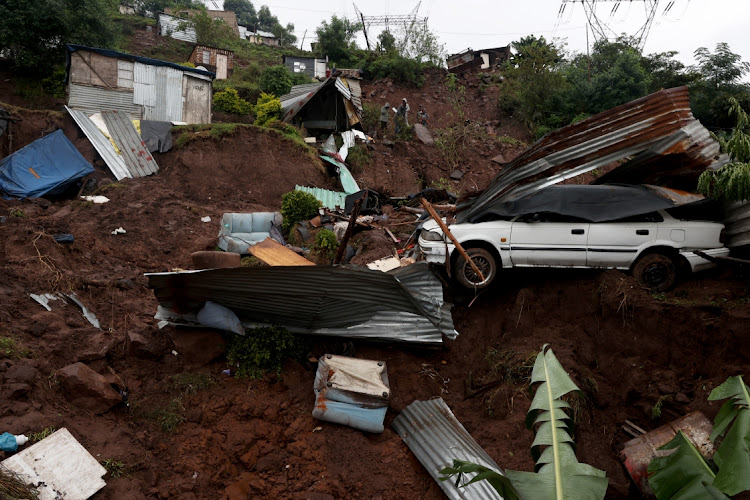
{"points": [[653, 245]]}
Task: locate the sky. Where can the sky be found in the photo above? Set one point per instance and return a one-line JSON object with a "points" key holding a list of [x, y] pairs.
{"points": [[462, 24]]}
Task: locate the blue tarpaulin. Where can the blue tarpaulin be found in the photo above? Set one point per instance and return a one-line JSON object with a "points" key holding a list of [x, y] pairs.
{"points": [[47, 166]]}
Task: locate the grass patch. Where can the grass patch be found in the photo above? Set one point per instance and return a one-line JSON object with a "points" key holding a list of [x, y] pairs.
{"points": [[13, 487], [214, 131], [110, 187], [358, 157], [262, 350], [17, 213], [251, 261], [513, 368], [11, 349], [511, 141], [35, 437], [444, 183], [168, 416], [656, 410], [115, 468], [190, 383]]}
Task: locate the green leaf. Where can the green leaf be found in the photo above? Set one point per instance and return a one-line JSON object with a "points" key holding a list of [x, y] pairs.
{"points": [[499, 482], [683, 474], [733, 457]]}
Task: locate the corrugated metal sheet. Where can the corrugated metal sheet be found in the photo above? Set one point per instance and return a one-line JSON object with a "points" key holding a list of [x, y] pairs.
{"points": [[356, 91], [656, 128], [340, 301], [167, 105], [329, 199], [135, 153], [737, 224], [101, 144], [343, 88], [345, 176], [300, 95], [170, 26], [144, 84], [436, 437], [94, 99]]}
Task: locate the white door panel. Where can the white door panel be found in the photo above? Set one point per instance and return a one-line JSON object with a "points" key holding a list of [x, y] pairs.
{"points": [[615, 244], [548, 243]]}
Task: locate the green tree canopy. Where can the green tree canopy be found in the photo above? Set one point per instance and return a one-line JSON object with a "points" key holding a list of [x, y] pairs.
{"points": [[386, 41], [417, 42], [34, 32], [245, 11], [213, 32], [336, 39]]}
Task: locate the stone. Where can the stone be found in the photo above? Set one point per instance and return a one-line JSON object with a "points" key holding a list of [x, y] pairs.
{"points": [[87, 389], [38, 329], [666, 388], [146, 343], [423, 134], [499, 159], [681, 397], [198, 346], [97, 346], [21, 373], [456, 175], [16, 390]]}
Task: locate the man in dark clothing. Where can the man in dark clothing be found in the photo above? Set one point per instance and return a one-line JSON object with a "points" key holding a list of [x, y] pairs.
{"points": [[401, 120], [422, 116]]}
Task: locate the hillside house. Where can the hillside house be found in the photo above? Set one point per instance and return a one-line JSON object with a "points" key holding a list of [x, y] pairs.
{"points": [[219, 61], [311, 66], [472, 60], [148, 89]]}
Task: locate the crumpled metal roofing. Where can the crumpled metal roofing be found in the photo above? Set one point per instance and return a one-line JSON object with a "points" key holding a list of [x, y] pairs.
{"points": [[737, 223], [102, 145], [329, 199], [405, 306], [436, 437], [657, 132], [293, 102]]}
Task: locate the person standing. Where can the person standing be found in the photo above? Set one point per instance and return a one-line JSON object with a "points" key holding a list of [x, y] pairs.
{"points": [[403, 108], [422, 116], [384, 117]]}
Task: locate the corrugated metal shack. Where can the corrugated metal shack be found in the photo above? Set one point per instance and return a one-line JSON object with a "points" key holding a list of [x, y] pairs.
{"points": [[263, 37], [477, 59], [219, 61], [334, 105], [149, 89], [311, 66], [177, 28]]}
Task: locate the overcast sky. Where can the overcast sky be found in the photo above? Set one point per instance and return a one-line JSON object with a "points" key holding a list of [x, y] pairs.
{"points": [[460, 24]]}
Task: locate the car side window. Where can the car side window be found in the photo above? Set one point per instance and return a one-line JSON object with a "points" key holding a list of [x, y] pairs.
{"points": [[649, 217], [548, 217]]}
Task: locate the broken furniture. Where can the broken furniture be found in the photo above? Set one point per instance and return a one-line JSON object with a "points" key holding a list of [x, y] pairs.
{"points": [[436, 438], [353, 392], [58, 467], [637, 453], [241, 231], [274, 253]]}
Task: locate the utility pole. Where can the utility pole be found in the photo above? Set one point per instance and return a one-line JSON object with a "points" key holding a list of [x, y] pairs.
{"points": [[303, 40], [364, 29], [588, 59]]}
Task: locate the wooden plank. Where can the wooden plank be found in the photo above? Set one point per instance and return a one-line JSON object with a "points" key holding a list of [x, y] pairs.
{"points": [[275, 254]]}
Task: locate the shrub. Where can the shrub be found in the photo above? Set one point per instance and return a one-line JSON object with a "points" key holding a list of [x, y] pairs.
{"points": [[229, 101], [54, 84], [187, 64], [267, 109], [262, 350], [326, 243], [358, 157], [400, 69], [276, 80], [297, 206]]}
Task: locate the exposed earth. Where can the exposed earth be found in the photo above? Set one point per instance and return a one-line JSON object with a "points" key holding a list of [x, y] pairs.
{"points": [[238, 438]]}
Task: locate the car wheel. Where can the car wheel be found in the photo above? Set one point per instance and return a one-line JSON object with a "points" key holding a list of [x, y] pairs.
{"points": [[484, 260], [657, 271]]}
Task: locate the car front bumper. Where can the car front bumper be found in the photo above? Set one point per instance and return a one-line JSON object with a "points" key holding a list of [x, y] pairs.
{"points": [[434, 251], [698, 263]]}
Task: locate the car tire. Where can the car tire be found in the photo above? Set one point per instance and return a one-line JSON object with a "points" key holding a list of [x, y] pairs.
{"points": [[657, 271], [484, 260]]}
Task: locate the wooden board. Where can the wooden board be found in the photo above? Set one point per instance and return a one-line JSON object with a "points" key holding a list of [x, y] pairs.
{"points": [[274, 254]]}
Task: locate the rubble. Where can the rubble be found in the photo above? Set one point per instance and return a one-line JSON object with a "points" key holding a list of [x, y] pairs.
{"points": [[87, 389]]}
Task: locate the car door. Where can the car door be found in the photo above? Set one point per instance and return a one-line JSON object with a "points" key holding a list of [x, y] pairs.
{"points": [[615, 244], [550, 241]]}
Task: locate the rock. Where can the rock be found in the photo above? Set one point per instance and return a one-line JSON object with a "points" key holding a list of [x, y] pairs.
{"points": [[456, 175], [41, 202], [87, 389], [423, 134], [146, 343], [499, 159], [193, 415], [97, 346], [38, 329], [21, 373], [681, 397], [390, 144], [666, 388], [15, 391], [198, 346]]}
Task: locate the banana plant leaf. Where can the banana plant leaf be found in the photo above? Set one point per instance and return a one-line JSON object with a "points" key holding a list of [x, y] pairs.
{"points": [[683, 474], [500, 483], [733, 456]]}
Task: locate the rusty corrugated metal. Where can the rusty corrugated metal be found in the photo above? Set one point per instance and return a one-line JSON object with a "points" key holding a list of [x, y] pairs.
{"points": [[338, 301], [737, 224], [656, 129], [135, 154], [436, 438]]}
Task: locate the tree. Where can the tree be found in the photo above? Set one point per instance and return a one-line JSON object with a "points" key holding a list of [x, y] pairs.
{"points": [[266, 20], [213, 32], [386, 42], [33, 32], [245, 11], [417, 42], [710, 96], [286, 35], [154, 6], [276, 80], [666, 71], [336, 39]]}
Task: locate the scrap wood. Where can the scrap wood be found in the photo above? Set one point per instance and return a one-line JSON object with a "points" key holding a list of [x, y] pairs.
{"points": [[447, 232], [274, 253], [395, 240], [349, 231]]}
